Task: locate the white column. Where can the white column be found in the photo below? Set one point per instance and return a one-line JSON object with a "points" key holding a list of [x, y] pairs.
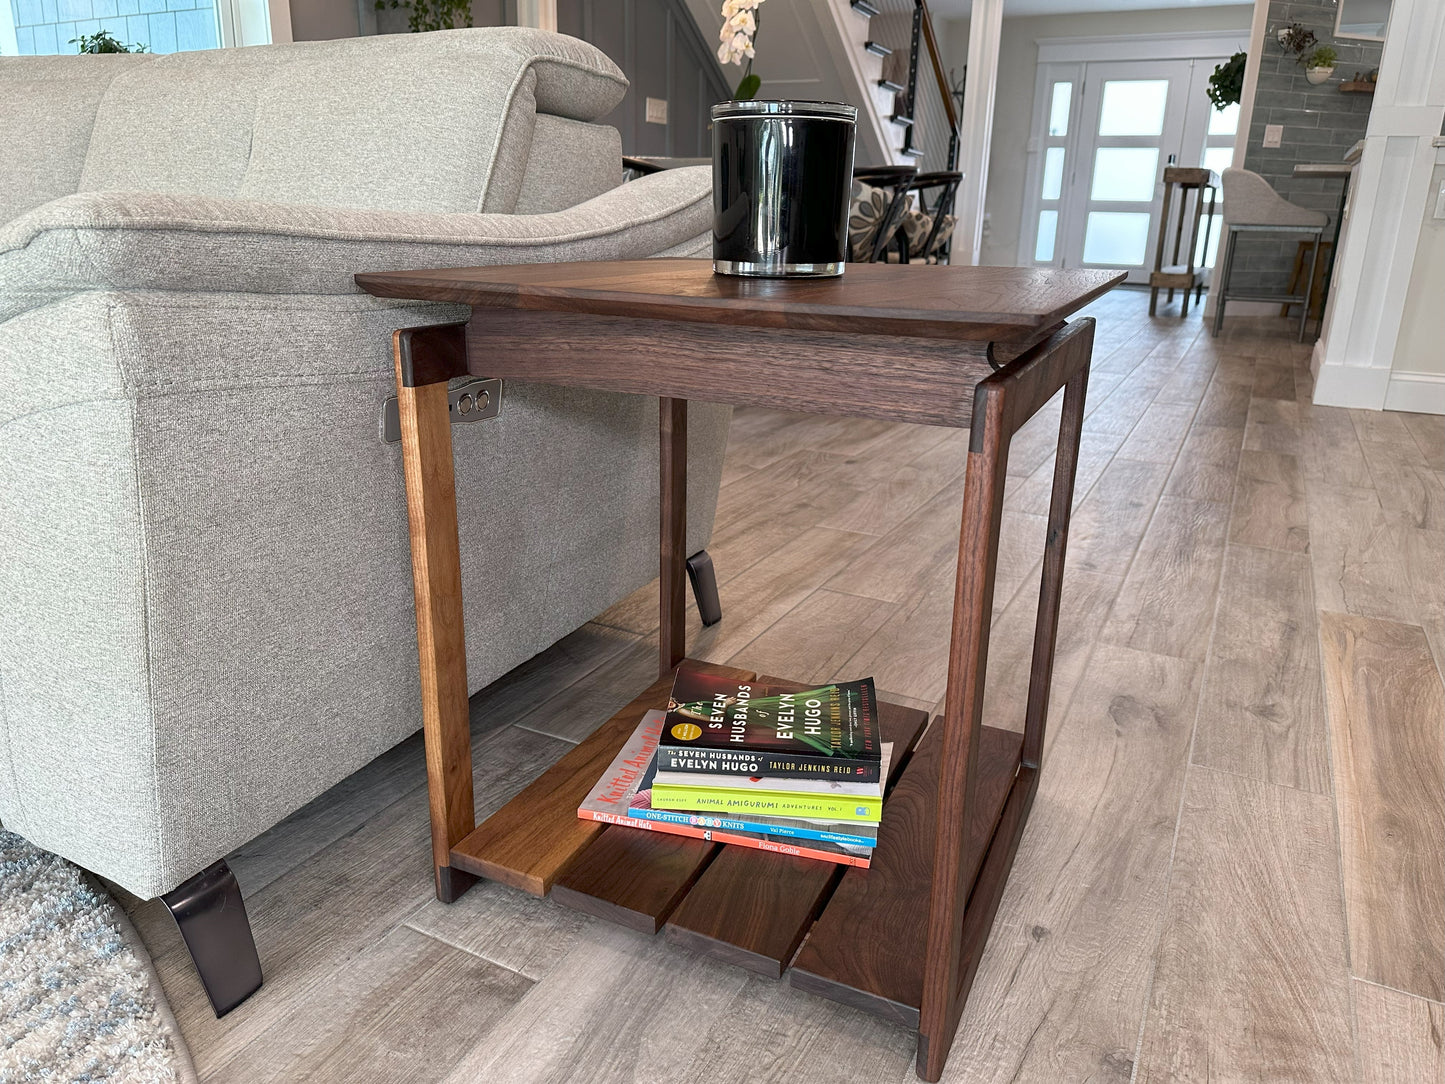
{"points": [[976, 127], [541, 14], [1382, 227]]}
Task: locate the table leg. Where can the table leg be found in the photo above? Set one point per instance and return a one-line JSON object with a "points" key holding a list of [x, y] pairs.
{"points": [[957, 933], [672, 532], [425, 360]]}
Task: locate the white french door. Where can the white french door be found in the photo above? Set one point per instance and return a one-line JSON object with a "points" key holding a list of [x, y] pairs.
{"points": [[1103, 133]]}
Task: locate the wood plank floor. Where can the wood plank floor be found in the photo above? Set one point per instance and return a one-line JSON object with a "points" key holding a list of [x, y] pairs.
{"points": [[1233, 868]]}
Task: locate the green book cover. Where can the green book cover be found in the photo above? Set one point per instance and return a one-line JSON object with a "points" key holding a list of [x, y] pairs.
{"points": [[719, 725], [768, 803]]}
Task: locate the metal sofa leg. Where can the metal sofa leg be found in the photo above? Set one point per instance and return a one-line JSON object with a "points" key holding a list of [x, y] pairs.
{"points": [[1228, 265], [704, 587], [212, 919]]}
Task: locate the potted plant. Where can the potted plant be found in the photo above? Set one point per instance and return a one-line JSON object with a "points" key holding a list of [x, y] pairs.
{"points": [[1226, 85], [1320, 64], [738, 34], [1297, 38]]}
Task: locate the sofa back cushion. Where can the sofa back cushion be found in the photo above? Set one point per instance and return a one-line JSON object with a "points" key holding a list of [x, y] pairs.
{"points": [[47, 110], [418, 122]]}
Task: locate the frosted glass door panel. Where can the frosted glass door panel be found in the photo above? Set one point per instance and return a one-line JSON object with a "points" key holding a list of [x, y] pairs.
{"points": [[1224, 121], [1117, 238], [1053, 172], [1133, 107], [1059, 104], [1125, 174], [1048, 227]]}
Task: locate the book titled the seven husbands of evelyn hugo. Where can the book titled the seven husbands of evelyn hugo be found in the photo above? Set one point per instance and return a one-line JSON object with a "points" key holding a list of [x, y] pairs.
{"points": [[621, 797], [718, 725]]}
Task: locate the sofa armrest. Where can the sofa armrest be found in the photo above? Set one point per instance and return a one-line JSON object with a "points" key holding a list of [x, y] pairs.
{"points": [[154, 241]]}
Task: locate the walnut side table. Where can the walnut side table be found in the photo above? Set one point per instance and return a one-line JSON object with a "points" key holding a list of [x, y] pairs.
{"points": [[976, 347]]}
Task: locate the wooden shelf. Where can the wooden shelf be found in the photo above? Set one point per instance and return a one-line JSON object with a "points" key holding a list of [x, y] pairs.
{"points": [[867, 949], [1362, 86], [862, 931]]}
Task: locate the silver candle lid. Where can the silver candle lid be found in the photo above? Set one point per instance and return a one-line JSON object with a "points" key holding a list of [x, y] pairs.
{"points": [[812, 110]]}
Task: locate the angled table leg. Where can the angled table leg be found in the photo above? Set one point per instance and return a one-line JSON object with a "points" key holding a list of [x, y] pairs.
{"points": [[961, 914], [672, 532], [426, 358]]}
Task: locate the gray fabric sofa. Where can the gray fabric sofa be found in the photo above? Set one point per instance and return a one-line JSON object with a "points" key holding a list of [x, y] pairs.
{"points": [[205, 576]]}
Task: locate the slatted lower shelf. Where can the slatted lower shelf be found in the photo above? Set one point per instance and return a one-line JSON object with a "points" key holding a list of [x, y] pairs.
{"points": [[862, 931]]}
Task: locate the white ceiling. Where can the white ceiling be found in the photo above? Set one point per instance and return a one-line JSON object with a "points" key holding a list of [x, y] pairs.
{"points": [[952, 9]]}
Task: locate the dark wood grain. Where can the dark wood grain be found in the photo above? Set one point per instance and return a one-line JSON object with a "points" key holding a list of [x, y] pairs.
{"points": [[890, 377], [1056, 541], [431, 510], [867, 948], [633, 876], [1002, 403], [534, 837], [672, 532], [1003, 304], [753, 908]]}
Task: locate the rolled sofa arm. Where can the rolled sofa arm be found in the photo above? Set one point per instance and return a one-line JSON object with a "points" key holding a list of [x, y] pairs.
{"points": [[155, 241]]}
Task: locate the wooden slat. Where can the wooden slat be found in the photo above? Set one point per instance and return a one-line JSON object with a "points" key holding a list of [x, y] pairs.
{"points": [[753, 908], [534, 837], [867, 948], [633, 876]]}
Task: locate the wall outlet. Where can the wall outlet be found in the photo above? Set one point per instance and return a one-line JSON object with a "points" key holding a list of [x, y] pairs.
{"points": [[655, 111], [1273, 134]]}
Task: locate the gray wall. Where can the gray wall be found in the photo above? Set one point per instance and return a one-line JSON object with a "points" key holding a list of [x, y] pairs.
{"points": [[1320, 124]]}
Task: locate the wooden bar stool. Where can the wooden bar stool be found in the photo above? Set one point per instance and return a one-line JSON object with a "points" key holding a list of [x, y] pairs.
{"points": [[1175, 275]]}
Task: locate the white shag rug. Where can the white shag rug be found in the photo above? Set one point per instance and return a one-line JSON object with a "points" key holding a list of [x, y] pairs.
{"points": [[79, 999]]}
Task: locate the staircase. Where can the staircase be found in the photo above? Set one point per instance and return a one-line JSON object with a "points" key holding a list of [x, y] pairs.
{"points": [[902, 74]]}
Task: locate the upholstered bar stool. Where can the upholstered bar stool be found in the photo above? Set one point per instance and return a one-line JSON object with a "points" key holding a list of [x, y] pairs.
{"points": [[1251, 205]]}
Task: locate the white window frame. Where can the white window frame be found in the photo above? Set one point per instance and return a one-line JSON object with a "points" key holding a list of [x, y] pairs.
{"points": [[251, 22]]}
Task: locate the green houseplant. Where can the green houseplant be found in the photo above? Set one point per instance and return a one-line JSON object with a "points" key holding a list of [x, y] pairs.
{"points": [[1226, 85], [1320, 64], [103, 41], [432, 14]]}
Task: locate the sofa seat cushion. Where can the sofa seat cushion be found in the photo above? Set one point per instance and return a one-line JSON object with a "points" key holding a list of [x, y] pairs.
{"points": [[120, 240]]}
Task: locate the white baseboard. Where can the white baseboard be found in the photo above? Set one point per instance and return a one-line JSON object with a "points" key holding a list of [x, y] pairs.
{"points": [[1351, 386], [1418, 393]]}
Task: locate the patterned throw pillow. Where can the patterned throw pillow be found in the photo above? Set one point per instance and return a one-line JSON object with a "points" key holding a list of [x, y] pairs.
{"points": [[916, 225], [945, 231], [867, 209]]}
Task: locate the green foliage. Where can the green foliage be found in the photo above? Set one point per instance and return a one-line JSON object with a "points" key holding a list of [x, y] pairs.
{"points": [[1323, 57], [1226, 85], [103, 41], [748, 87], [432, 14]]}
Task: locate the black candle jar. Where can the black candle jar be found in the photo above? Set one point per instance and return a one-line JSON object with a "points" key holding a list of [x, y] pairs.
{"points": [[781, 175]]}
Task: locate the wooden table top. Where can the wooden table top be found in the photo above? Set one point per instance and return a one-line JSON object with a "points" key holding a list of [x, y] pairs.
{"points": [[1001, 304]]}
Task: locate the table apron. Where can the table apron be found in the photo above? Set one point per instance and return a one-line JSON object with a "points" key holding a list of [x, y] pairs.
{"points": [[887, 377]]}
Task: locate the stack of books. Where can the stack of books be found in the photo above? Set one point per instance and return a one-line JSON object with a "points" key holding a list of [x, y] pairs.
{"points": [[799, 773]]}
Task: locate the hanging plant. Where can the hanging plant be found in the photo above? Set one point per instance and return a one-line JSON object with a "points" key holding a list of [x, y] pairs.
{"points": [[432, 14], [1226, 85], [1297, 39], [738, 34]]}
